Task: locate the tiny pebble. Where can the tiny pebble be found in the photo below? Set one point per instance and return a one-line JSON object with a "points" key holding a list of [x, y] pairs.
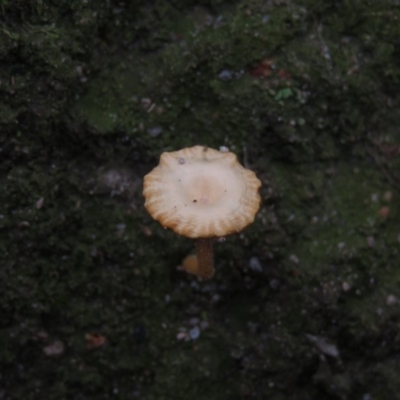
{"points": [[265, 18], [323, 345], [54, 349], [194, 333], [121, 227], [345, 286], [391, 300], [181, 335], [225, 75], [255, 264], [154, 131], [146, 102], [39, 203]]}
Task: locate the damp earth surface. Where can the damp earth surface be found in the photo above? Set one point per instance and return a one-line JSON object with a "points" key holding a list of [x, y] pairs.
{"points": [[93, 301]]}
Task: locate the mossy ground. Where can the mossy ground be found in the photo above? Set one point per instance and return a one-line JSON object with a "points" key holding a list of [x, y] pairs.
{"points": [[305, 302]]}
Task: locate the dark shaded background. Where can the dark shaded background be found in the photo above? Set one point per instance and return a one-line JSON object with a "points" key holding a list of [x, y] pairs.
{"points": [[305, 302]]}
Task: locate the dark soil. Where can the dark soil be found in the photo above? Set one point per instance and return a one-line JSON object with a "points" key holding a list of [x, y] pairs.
{"points": [[305, 303]]}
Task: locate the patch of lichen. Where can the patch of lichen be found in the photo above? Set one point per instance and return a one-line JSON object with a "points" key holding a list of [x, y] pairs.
{"points": [[306, 93]]}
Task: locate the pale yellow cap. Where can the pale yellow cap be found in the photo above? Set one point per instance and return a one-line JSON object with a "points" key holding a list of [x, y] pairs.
{"points": [[200, 192]]}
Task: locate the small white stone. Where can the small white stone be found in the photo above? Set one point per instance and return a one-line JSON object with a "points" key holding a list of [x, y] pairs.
{"points": [[39, 203], [391, 300], [324, 346], [54, 349], [345, 286], [182, 335]]}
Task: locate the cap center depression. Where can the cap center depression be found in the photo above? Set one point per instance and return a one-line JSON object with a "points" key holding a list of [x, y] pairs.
{"points": [[205, 187]]}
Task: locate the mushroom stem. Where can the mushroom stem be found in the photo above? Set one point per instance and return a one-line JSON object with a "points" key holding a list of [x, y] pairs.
{"points": [[205, 258]]}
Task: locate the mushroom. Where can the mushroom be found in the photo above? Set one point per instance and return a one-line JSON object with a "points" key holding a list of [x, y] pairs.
{"points": [[204, 194]]}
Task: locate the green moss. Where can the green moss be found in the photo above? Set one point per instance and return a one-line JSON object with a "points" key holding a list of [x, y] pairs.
{"points": [[306, 94]]}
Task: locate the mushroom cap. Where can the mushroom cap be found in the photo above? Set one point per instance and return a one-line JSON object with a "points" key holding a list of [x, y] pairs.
{"points": [[200, 192]]}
